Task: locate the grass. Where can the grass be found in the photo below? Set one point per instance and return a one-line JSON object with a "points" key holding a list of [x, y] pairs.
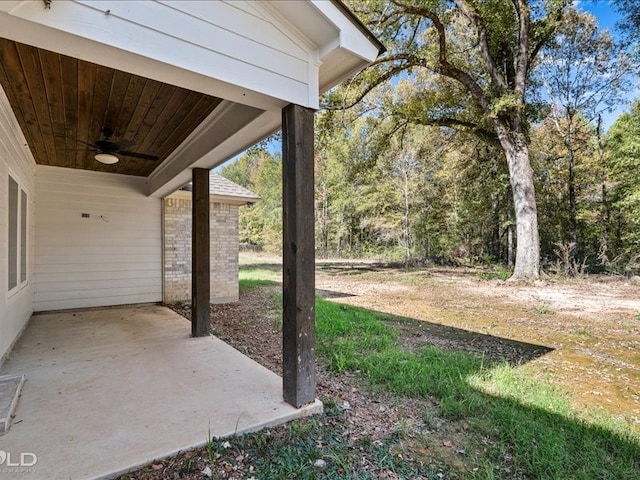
{"points": [[256, 277], [497, 272], [259, 272], [314, 448], [526, 419], [544, 310], [516, 425], [584, 331]]}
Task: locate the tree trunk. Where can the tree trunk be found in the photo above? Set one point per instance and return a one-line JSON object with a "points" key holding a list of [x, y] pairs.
{"points": [[405, 218], [573, 224], [495, 214], [527, 264], [606, 212], [510, 247]]}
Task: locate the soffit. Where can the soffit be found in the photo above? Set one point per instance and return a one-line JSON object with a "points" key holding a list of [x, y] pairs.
{"points": [[63, 103]]}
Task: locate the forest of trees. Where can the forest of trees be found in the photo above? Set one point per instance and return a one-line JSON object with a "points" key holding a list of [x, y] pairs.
{"points": [[477, 138]]}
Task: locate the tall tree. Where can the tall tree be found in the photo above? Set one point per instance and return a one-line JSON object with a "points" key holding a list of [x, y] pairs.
{"points": [[481, 54], [261, 224], [623, 143], [585, 74]]}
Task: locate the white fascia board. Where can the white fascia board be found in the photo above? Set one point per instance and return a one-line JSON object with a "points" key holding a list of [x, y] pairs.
{"points": [[119, 34], [351, 37], [213, 197], [341, 47], [207, 148]]}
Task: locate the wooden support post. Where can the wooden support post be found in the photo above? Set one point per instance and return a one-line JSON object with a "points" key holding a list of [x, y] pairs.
{"points": [[298, 283], [200, 276]]}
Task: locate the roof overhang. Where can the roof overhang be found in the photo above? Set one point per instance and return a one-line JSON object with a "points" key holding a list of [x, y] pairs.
{"points": [[213, 197], [256, 56]]}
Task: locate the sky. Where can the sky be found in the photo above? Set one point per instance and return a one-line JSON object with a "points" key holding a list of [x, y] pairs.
{"points": [[607, 17], [606, 14]]}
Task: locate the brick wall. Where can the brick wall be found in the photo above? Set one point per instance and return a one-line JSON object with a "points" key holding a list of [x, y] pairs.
{"points": [[177, 251]]}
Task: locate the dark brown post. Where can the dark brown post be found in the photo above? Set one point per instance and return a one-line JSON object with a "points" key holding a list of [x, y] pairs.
{"points": [[200, 253], [298, 282]]}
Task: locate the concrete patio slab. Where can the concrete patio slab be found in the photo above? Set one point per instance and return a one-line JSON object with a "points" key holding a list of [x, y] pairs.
{"points": [[111, 389]]}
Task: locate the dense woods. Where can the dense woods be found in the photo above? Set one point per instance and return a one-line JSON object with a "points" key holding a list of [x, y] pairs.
{"points": [[420, 157]]}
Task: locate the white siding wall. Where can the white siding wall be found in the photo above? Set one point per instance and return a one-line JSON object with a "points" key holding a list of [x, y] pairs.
{"points": [[113, 257], [15, 160]]}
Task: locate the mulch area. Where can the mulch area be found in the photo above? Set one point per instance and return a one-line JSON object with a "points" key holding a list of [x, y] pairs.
{"points": [[253, 327]]}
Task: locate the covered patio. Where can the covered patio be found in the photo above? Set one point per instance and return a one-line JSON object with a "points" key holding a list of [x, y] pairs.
{"points": [[111, 389], [106, 108]]}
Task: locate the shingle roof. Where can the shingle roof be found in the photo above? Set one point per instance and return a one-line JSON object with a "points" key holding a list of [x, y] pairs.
{"points": [[220, 186]]}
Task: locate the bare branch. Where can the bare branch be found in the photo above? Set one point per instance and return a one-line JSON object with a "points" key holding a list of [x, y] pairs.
{"points": [[411, 61]]}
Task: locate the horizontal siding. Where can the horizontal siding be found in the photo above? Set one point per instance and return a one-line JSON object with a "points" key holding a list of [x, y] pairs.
{"points": [[206, 40], [15, 160], [66, 304], [224, 29], [111, 258]]}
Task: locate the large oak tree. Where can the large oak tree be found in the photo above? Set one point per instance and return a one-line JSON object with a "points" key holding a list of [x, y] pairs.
{"points": [[478, 56]]}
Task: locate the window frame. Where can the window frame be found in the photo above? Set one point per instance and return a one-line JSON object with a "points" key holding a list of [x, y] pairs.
{"points": [[20, 236]]}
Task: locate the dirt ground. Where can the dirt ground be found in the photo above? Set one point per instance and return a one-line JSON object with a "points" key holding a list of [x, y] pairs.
{"points": [[581, 334], [590, 328]]}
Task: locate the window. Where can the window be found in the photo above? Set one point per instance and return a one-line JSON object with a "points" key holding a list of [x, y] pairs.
{"points": [[23, 236], [17, 268]]}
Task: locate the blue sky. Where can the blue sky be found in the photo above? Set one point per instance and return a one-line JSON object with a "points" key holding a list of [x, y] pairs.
{"points": [[606, 14], [607, 17]]}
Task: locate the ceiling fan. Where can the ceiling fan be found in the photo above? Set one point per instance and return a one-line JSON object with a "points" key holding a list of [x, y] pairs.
{"points": [[108, 152]]}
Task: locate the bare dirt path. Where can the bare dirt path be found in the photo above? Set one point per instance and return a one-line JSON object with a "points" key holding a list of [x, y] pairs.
{"points": [[590, 328]]}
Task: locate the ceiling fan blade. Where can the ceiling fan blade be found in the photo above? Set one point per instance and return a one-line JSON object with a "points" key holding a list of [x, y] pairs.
{"points": [[142, 156], [124, 144], [75, 140]]}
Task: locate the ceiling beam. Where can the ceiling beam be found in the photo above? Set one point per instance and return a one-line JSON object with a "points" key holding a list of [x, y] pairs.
{"points": [[230, 129]]}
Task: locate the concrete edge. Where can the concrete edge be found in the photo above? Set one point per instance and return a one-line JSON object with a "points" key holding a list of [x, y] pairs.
{"points": [[14, 402], [314, 408]]}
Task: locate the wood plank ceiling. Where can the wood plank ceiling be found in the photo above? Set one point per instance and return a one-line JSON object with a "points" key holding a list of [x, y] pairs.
{"points": [[64, 104]]}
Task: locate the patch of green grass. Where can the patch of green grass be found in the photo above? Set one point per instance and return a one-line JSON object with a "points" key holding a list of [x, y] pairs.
{"points": [[638, 317], [497, 272], [544, 310], [313, 448], [524, 426], [259, 274], [527, 420], [250, 284], [584, 331]]}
